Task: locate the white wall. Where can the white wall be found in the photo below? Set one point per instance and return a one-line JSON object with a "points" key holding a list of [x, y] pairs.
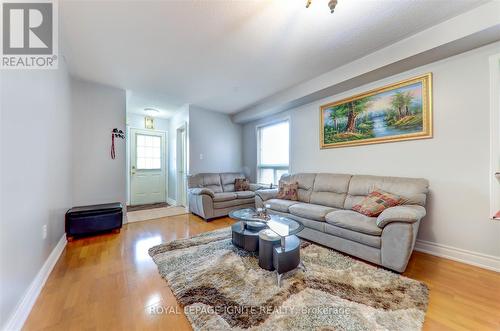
{"points": [[215, 142], [137, 121], [180, 118], [36, 130], [455, 161], [97, 109]]}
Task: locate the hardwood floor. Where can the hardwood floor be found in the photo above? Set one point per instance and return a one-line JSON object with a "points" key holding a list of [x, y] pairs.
{"points": [[109, 282]]}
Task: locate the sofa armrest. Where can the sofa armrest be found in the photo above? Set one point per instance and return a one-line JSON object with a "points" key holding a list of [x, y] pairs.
{"points": [[398, 241], [201, 190], [406, 214], [254, 187], [267, 194]]}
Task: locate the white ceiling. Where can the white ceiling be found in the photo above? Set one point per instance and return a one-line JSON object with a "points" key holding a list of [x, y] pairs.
{"points": [[228, 55], [137, 101]]}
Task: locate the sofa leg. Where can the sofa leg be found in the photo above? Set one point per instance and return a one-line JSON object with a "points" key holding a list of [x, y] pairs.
{"points": [[116, 230], [69, 238]]}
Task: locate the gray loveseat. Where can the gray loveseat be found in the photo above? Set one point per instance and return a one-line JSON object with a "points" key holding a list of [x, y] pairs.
{"points": [[212, 194], [324, 207]]}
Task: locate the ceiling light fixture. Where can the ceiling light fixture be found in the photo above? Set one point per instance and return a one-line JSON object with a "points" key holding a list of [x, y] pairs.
{"points": [[331, 4], [151, 111]]}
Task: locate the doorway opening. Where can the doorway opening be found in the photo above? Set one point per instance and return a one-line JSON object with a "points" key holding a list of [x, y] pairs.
{"points": [[181, 194], [495, 137]]}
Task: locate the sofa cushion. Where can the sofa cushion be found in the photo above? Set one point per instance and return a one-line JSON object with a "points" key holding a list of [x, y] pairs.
{"points": [[310, 211], [208, 180], [306, 182], [354, 221], [227, 180], [330, 190], [225, 196], [414, 190], [212, 182], [280, 205], [315, 225], [362, 238], [244, 194], [233, 203]]}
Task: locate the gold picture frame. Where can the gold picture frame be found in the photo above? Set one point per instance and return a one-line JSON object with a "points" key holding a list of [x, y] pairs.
{"points": [[395, 112]]}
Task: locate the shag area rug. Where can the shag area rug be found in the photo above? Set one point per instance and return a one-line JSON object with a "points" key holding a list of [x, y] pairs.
{"points": [[222, 287]]}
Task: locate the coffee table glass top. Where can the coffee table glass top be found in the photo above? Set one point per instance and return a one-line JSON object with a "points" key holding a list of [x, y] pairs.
{"points": [[281, 225]]}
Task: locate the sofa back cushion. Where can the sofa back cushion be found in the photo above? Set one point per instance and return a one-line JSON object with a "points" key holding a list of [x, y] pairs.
{"points": [[305, 182], [228, 179], [207, 180], [412, 190], [330, 190]]}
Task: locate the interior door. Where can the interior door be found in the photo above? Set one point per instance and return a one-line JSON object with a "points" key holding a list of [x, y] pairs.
{"points": [[147, 167]]}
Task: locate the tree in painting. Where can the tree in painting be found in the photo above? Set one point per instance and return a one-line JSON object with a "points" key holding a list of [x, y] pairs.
{"points": [[348, 122], [390, 113]]}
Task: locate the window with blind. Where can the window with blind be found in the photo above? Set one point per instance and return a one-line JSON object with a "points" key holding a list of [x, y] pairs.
{"points": [[273, 146]]}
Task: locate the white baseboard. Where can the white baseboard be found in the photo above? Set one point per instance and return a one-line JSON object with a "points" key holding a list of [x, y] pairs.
{"points": [[460, 255], [23, 308], [171, 202]]}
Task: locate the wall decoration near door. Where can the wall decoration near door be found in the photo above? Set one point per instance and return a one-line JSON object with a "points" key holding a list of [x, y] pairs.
{"points": [[115, 134], [400, 111]]}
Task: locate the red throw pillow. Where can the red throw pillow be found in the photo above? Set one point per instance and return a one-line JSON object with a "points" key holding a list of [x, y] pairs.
{"points": [[241, 184], [376, 202], [288, 191]]}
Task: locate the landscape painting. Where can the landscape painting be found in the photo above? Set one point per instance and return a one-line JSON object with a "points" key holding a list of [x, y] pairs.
{"points": [[400, 111]]}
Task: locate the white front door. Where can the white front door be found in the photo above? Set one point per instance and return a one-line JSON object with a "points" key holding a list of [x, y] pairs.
{"points": [[147, 167]]}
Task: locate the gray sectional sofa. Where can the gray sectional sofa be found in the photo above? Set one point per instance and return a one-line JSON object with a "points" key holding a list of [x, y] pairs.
{"points": [[324, 207], [212, 194]]}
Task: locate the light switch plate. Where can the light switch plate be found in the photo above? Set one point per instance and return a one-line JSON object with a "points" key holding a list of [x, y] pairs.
{"points": [[44, 231]]}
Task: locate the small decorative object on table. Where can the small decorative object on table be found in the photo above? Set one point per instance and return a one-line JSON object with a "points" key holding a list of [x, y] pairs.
{"points": [[262, 213]]}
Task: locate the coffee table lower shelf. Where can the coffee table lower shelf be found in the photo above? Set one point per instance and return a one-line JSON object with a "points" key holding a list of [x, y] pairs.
{"points": [[281, 254]]}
